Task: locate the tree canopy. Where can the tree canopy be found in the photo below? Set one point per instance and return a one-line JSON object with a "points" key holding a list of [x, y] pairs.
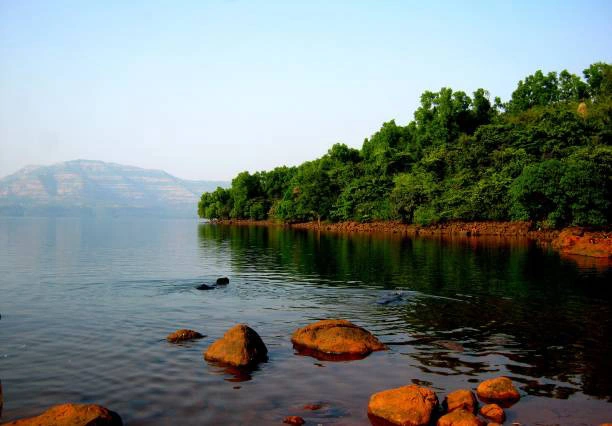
{"points": [[544, 156]]}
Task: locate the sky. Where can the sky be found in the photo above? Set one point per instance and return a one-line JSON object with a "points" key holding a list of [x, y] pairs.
{"points": [[206, 89]]}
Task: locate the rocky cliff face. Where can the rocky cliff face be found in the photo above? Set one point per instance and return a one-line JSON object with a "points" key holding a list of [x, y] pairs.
{"points": [[84, 187]]}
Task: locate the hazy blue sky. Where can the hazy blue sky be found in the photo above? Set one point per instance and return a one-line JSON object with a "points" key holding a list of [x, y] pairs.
{"points": [[204, 90]]}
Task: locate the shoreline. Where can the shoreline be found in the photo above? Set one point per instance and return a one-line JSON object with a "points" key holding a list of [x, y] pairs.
{"points": [[570, 241]]}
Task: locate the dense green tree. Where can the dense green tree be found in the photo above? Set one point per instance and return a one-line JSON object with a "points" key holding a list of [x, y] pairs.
{"points": [[412, 190], [544, 156], [216, 204], [599, 79]]}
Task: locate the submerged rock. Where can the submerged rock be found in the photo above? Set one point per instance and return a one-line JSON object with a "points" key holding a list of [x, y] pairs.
{"points": [[388, 299], [450, 345], [409, 405], [459, 418], [336, 337], [294, 420], [205, 287], [72, 415], [182, 335], [461, 399], [312, 407], [493, 412], [223, 281], [499, 389], [240, 346]]}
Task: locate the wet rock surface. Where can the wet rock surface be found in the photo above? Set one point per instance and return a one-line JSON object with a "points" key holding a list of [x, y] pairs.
{"points": [[183, 335], [72, 415], [294, 420], [240, 346], [336, 337], [493, 413], [460, 418], [576, 241], [499, 389], [461, 399], [408, 405], [205, 287]]}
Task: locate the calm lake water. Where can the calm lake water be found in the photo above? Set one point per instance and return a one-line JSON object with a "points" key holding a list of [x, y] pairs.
{"points": [[86, 304]]}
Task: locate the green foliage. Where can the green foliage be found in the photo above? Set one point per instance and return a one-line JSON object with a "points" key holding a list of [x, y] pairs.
{"points": [[411, 191], [215, 205], [544, 156]]}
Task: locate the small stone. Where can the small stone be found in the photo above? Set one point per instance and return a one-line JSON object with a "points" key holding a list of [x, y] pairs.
{"points": [[312, 407], [294, 420], [459, 418], [493, 412], [182, 335]]}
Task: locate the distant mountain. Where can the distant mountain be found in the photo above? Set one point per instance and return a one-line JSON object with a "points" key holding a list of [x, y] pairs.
{"points": [[95, 188]]}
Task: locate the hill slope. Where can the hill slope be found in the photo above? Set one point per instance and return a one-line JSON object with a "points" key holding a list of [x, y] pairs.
{"points": [[85, 188]]}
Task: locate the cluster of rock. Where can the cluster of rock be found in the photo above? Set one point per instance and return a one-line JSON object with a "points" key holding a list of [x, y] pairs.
{"points": [[415, 405], [577, 241], [241, 346], [410, 405]]}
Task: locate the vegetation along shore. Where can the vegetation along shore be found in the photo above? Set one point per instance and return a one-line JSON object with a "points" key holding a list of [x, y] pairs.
{"points": [[532, 166]]}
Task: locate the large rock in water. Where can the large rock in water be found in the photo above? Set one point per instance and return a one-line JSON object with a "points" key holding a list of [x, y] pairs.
{"points": [[72, 415], [460, 418], [499, 389], [182, 335], [336, 337], [240, 346], [406, 406], [461, 399], [576, 241]]}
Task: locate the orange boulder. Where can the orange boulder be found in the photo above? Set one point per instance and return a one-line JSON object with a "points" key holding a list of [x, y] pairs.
{"points": [[182, 335], [240, 346], [406, 406], [497, 389], [493, 412], [459, 418], [72, 415], [576, 241], [337, 337], [461, 399]]}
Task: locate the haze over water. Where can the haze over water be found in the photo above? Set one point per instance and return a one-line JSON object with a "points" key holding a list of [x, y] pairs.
{"points": [[86, 304]]}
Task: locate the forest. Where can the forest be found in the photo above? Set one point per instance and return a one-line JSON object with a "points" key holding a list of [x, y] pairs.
{"points": [[544, 156]]}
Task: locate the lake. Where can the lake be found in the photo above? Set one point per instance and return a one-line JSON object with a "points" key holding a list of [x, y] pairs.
{"points": [[86, 305]]}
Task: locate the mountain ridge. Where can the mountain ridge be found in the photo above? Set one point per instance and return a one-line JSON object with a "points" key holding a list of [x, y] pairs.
{"points": [[93, 188]]}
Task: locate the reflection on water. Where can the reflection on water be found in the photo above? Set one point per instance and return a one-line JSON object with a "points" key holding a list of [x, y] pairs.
{"points": [[86, 303]]}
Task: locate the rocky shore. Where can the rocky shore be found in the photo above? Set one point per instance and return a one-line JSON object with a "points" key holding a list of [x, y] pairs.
{"points": [[569, 241], [409, 405]]}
